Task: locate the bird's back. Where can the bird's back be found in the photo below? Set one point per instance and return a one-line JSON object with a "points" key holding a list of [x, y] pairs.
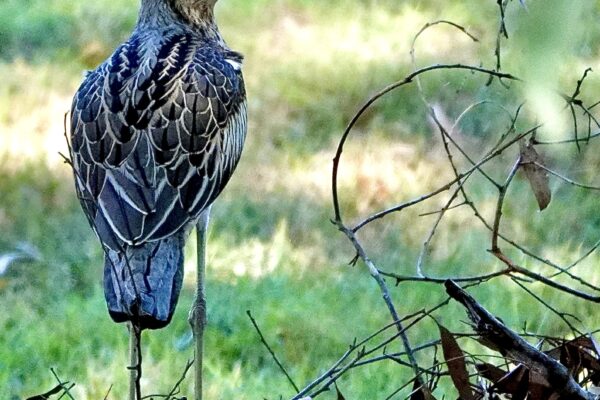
{"points": [[156, 133]]}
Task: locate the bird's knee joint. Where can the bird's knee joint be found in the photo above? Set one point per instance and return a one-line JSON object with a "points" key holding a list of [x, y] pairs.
{"points": [[197, 317]]}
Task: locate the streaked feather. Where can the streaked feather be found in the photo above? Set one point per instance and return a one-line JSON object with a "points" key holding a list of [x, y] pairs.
{"points": [[156, 132], [151, 128]]}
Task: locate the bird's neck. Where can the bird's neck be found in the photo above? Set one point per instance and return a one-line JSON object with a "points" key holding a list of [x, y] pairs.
{"points": [[168, 13]]}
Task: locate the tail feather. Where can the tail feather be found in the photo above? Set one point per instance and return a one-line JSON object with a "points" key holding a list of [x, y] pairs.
{"points": [[143, 284]]}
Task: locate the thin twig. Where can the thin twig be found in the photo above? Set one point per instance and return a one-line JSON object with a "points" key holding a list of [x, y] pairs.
{"points": [[384, 291], [108, 392], [175, 389], [407, 80], [427, 279], [567, 180], [336, 371], [488, 157], [66, 387], [438, 220], [500, 204], [502, 32], [542, 279], [264, 342], [561, 315]]}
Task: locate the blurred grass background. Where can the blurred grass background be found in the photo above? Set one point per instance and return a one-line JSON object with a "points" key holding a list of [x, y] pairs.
{"points": [[309, 65]]}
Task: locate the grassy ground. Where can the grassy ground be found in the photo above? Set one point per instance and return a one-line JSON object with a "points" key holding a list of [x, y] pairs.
{"points": [[309, 65]]}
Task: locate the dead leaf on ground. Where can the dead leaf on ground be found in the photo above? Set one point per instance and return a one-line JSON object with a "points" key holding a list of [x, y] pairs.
{"points": [[455, 358]]}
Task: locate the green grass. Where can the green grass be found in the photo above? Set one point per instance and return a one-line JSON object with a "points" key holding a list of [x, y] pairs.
{"points": [[272, 250]]}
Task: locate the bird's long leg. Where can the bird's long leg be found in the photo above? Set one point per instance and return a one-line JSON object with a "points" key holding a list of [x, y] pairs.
{"points": [[135, 368], [132, 361], [198, 311]]}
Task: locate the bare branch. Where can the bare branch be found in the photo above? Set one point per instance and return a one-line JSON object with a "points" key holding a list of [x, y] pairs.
{"points": [[407, 80]]}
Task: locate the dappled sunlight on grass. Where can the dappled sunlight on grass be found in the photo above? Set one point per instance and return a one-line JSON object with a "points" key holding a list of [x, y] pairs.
{"points": [[376, 174], [254, 257], [33, 101]]}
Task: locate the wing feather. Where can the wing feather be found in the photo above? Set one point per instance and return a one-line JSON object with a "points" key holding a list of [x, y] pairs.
{"points": [[156, 134]]}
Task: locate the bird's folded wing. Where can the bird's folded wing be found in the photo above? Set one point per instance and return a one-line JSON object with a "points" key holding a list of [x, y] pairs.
{"points": [[156, 134]]}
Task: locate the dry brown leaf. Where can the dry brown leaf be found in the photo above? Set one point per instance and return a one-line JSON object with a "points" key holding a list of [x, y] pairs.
{"points": [[514, 382], [523, 383], [340, 396], [539, 387], [580, 341], [490, 372], [522, 388], [455, 358], [570, 357], [536, 175], [577, 354]]}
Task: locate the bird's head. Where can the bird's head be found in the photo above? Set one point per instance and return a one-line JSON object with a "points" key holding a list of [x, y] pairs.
{"points": [[193, 6], [195, 12]]}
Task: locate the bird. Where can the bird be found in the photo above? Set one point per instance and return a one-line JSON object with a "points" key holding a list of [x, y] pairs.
{"points": [[157, 131]]}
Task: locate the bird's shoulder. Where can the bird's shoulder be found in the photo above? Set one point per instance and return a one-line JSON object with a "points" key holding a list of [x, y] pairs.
{"points": [[150, 79], [151, 69], [155, 58]]}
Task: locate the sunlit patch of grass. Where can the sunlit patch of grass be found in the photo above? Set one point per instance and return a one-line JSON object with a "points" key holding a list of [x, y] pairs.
{"points": [[33, 101]]}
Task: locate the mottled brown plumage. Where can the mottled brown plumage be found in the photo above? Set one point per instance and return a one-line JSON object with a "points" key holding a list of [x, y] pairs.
{"points": [[156, 132]]}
